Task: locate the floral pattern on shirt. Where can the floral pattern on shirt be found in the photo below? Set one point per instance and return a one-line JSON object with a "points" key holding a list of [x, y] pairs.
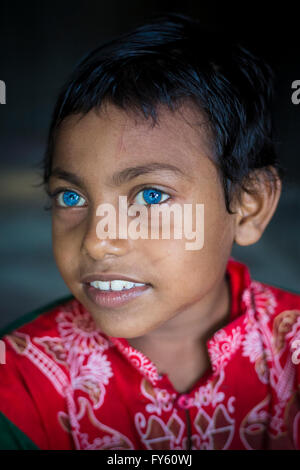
{"points": [[104, 394]]}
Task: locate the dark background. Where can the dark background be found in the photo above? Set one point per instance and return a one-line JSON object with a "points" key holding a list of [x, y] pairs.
{"points": [[40, 43]]}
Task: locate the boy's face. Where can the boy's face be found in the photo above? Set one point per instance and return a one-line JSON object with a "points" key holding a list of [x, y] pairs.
{"points": [[185, 289]]}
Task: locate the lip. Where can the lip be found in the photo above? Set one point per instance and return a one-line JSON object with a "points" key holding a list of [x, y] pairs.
{"points": [[113, 299]]}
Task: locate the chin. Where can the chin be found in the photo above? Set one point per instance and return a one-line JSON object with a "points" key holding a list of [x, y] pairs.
{"points": [[117, 331]]}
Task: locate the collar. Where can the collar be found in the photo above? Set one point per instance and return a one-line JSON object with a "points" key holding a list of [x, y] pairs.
{"points": [[228, 337]]}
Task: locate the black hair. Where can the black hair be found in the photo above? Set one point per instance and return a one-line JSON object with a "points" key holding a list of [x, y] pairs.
{"points": [[170, 59]]}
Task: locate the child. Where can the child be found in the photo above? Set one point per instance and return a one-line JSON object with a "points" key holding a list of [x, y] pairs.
{"points": [[158, 347]]}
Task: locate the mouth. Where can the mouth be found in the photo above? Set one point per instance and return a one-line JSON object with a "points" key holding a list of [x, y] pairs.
{"points": [[117, 285], [111, 293]]}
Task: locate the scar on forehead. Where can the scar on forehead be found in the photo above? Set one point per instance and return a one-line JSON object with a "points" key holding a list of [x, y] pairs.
{"points": [[121, 145]]}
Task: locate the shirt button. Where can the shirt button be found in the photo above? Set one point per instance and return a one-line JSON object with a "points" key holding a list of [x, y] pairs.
{"points": [[184, 402]]}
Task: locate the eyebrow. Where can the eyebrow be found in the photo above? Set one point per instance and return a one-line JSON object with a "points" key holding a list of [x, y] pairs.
{"points": [[130, 173], [122, 176], [58, 172]]}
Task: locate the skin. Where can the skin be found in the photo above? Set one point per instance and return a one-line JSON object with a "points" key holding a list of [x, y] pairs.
{"points": [[189, 297]]}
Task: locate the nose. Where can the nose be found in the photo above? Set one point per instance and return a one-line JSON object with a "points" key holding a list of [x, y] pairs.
{"points": [[99, 246]]}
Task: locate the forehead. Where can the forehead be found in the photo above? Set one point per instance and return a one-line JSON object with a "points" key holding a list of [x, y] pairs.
{"points": [[180, 137]]}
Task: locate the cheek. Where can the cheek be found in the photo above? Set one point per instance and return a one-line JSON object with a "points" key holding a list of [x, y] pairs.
{"points": [[174, 268], [65, 245], [219, 224], [219, 234], [181, 272]]}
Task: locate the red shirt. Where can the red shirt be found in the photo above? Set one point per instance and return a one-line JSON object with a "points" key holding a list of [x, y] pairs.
{"points": [[67, 385]]}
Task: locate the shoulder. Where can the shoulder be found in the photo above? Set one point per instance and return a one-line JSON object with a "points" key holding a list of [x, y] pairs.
{"points": [[44, 347], [45, 338], [35, 366], [276, 303], [276, 313], [265, 303], [38, 318], [20, 339], [286, 322]]}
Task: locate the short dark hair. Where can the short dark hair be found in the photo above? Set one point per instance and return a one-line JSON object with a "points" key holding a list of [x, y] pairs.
{"points": [[167, 60]]}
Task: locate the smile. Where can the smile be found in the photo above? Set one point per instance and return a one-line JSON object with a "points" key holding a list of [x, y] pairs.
{"points": [[116, 285], [115, 293]]}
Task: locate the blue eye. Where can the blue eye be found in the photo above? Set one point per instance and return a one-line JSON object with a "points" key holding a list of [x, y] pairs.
{"points": [[151, 196], [70, 199]]}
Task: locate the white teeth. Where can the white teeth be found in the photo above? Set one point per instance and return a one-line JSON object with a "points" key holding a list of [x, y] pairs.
{"points": [[103, 285], [120, 285], [115, 285]]}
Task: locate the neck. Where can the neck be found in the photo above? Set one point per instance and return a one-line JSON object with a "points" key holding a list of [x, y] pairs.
{"points": [[190, 328]]}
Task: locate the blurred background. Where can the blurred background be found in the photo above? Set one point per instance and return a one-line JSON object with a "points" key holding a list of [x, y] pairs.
{"points": [[40, 43]]}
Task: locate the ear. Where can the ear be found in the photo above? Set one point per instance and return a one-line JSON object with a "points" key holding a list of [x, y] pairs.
{"points": [[255, 209]]}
